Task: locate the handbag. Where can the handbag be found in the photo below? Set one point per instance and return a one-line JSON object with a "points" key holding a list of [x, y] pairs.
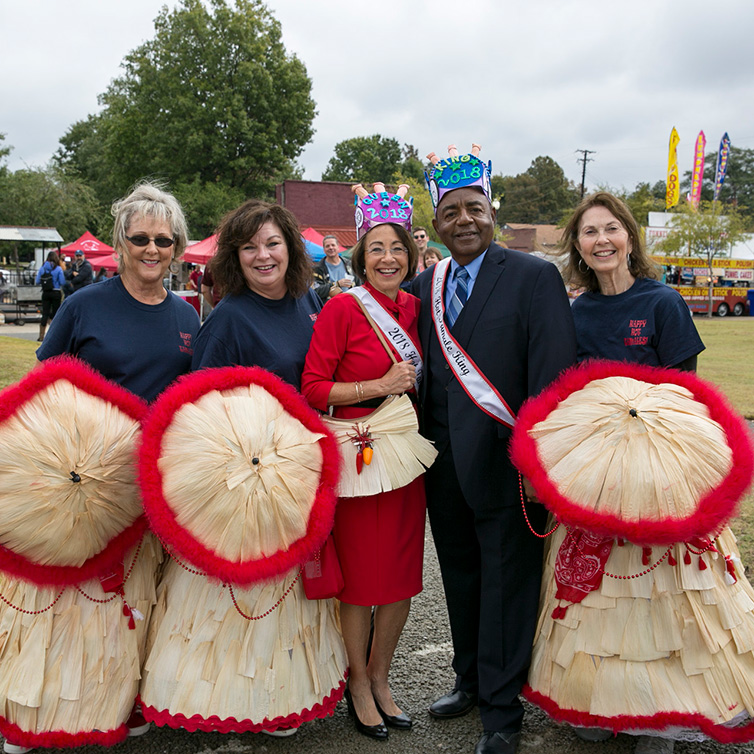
{"points": [[322, 575], [398, 453]]}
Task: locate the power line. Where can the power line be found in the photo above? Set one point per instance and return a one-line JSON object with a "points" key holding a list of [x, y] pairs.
{"points": [[584, 159]]}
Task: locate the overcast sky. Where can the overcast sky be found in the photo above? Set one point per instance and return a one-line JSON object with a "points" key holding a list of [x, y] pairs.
{"points": [[523, 78]]}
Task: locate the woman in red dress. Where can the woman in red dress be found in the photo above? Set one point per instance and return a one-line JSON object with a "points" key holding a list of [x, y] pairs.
{"points": [[379, 538]]}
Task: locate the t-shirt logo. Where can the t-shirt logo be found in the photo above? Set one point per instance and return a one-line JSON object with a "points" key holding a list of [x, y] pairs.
{"points": [[186, 347], [636, 338], [313, 317]]}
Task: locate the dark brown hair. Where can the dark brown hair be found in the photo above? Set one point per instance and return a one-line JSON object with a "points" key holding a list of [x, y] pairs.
{"points": [[238, 227], [52, 256], [358, 251], [639, 263]]}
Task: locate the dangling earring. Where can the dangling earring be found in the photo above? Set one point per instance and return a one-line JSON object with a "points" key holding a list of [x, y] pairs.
{"points": [[628, 259], [586, 266]]}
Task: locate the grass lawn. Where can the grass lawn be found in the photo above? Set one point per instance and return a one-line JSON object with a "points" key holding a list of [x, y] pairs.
{"points": [[728, 361]]}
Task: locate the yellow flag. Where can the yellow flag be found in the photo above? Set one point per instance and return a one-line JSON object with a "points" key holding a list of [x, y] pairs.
{"points": [[673, 192]]}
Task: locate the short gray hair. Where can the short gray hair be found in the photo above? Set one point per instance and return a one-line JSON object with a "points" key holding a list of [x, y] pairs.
{"points": [[149, 200]]}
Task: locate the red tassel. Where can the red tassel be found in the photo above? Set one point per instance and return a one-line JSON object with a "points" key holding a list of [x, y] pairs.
{"points": [[730, 567], [687, 558], [671, 560], [132, 623], [559, 612], [621, 542], [646, 554], [702, 564], [126, 610]]}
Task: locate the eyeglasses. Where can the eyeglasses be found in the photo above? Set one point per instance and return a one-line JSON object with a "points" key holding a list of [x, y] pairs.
{"points": [[161, 241], [396, 251], [419, 236]]}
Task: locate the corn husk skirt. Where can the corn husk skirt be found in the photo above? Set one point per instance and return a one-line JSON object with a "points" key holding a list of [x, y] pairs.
{"points": [[646, 618], [72, 630], [234, 645]]}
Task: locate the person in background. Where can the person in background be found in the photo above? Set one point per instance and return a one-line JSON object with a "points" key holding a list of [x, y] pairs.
{"points": [[506, 314], [195, 284], [101, 275], [422, 238], [431, 257], [50, 276], [211, 292], [333, 274], [80, 275]]}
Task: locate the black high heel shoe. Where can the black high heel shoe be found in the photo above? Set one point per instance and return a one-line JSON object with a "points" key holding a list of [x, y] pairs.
{"points": [[399, 722], [378, 731]]}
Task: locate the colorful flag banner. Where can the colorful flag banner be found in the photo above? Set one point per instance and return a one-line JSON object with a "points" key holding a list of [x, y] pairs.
{"points": [[722, 164], [696, 179], [673, 191]]}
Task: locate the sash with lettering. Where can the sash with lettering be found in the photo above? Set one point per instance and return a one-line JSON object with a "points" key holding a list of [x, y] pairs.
{"points": [[392, 331], [476, 385]]}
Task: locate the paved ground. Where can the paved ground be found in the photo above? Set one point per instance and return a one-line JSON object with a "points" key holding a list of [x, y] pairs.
{"points": [[421, 673]]}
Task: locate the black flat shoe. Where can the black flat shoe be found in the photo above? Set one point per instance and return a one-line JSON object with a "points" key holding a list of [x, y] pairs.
{"points": [[378, 731], [399, 722]]}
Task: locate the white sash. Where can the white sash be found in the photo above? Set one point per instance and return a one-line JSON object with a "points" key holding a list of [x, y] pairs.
{"points": [[394, 333], [476, 385]]}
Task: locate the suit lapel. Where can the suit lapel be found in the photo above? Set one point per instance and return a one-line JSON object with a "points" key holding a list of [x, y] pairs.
{"points": [[492, 268]]}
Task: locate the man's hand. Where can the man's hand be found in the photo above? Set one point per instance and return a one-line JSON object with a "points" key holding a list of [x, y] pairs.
{"points": [[531, 495]]}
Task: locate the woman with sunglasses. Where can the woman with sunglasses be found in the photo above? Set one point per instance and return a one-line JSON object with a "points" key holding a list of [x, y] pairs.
{"points": [[130, 328], [140, 336]]}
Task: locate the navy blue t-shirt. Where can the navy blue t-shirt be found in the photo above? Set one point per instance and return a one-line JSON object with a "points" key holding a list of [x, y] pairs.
{"points": [[649, 324], [142, 347], [250, 330]]}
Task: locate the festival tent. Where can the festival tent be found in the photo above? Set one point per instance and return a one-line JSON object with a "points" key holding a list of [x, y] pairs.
{"points": [[89, 244], [108, 261], [202, 252], [316, 237]]}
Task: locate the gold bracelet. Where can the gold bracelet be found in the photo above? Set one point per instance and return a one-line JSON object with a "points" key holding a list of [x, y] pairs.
{"points": [[359, 392]]}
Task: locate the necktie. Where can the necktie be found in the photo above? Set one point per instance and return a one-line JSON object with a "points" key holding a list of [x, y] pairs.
{"points": [[459, 296]]}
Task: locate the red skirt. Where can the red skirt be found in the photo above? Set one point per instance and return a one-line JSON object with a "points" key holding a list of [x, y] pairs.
{"points": [[380, 544]]}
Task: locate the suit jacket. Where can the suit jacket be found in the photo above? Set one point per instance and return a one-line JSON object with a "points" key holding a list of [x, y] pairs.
{"points": [[518, 329]]}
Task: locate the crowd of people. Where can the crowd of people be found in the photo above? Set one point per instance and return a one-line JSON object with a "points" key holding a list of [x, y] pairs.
{"points": [[444, 352]]}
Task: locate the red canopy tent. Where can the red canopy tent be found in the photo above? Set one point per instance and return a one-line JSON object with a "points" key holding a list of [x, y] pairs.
{"points": [[108, 261], [89, 244], [202, 252], [316, 237]]}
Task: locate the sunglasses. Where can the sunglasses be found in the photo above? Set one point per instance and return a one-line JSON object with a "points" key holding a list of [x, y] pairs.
{"points": [[161, 241], [419, 237]]}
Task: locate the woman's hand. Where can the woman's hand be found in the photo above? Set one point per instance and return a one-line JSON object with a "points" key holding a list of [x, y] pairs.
{"points": [[398, 379]]}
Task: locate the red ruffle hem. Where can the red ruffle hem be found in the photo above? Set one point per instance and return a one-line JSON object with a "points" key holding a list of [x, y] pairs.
{"points": [[211, 724], [61, 739], [724, 734]]}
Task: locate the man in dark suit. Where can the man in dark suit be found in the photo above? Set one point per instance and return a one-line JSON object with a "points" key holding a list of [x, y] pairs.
{"points": [[515, 326]]}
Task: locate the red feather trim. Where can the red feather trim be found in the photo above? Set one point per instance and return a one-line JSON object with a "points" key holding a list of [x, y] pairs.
{"points": [[190, 388], [716, 508], [60, 739], [85, 378], [163, 718], [659, 722]]}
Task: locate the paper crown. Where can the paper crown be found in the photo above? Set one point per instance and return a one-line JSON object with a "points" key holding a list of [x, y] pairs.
{"points": [[381, 207], [458, 172]]}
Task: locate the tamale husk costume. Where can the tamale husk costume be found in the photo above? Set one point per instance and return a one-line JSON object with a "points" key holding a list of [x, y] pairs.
{"points": [[77, 570], [238, 476], [646, 618]]}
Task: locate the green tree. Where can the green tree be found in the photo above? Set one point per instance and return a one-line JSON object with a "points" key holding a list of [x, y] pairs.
{"points": [[4, 152], [542, 194], [706, 233], [364, 159], [643, 200], [213, 99], [46, 197]]}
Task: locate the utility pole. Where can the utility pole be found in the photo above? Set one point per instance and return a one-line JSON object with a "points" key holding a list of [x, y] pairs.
{"points": [[584, 159]]}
